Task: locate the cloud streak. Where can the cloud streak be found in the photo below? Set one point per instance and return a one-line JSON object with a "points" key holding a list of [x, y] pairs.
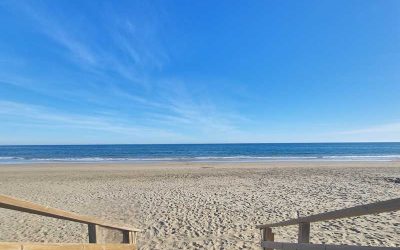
{"points": [[51, 28], [45, 116], [137, 52], [113, 78]]}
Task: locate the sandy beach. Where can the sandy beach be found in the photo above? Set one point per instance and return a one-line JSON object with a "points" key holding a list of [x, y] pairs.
{"points": [[184, 205]]}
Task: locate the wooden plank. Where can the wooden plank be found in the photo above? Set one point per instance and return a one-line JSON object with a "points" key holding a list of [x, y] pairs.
{"points": [[33, 208], [72, 246], [52, 247], [103, 235], [133, 237], [307, 246], [128, 237], [10, 246], [268, 235], [304, 232], [108, 247], [373, 208]]}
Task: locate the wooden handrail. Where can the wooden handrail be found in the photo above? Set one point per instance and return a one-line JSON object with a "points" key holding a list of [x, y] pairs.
{"points": [[306, 246], [65, 246], [33, 208], [373, 208], [304, 227]]}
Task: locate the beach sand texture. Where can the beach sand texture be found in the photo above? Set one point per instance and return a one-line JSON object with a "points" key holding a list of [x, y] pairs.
{"points": [[203, 205]]}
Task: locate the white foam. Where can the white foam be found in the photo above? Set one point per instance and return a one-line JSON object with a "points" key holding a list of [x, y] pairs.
{"points": [[10, 158], [239, 158]]}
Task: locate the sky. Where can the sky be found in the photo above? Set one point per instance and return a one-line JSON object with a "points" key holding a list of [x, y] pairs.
{"points": [[92, 72]]}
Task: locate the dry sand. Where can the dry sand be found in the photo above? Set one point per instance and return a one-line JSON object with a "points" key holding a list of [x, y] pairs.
{"points": [[203, 205]]}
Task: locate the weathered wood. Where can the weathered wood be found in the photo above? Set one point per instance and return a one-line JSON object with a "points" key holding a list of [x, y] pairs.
{"points": [[304, 232], [133, 236], [33, 208], [129, 237], [62, 246], [373, 208], [264, 235], [306, 246], [268, 235], [304, 227], [126, 237], [103, 235], [10, 246]]}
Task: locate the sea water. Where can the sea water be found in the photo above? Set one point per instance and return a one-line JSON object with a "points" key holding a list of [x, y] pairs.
{"points": [[202, 152]]}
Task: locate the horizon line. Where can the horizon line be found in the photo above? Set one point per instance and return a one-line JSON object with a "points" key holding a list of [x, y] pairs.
{"points": [[212, 143]]}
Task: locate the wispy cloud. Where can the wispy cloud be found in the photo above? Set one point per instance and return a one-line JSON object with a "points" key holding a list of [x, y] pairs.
{"points": [[53, 29], [125, 51], [45, 116], [175, 106], [121, 90]]}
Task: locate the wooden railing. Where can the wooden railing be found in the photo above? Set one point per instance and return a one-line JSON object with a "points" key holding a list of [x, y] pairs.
{"points": [[128, 234], [268, 242]]}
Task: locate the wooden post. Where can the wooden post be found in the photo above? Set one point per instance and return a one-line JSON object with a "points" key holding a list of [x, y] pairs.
{"points": [[268, 235], [128, 237], [134, 237], [92, 229], [304, 232]]}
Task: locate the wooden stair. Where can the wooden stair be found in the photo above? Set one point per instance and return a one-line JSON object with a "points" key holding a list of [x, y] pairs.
{"points": [[95, 226]]}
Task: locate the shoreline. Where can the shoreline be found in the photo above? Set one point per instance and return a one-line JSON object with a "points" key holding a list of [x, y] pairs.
{"points": [[144, 162], [279, 163]]}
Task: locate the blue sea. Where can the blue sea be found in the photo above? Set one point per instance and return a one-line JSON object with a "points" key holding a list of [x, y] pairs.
{"points": [[202, 152]]}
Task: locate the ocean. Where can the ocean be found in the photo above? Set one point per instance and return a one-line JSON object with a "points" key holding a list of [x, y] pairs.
{"points": [[201, 152]]}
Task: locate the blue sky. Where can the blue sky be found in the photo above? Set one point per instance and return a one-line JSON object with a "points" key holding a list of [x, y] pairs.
{"points": [[82, 72]]}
